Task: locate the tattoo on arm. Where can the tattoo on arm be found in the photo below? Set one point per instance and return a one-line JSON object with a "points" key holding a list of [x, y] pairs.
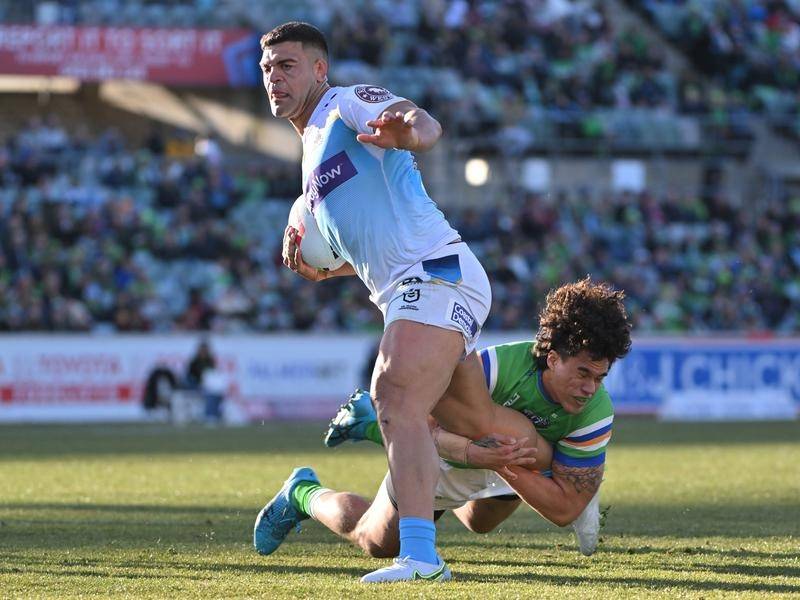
{"points": [[487, 442], [583, 479]]}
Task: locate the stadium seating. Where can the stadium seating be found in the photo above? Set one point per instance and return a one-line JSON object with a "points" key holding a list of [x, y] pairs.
{"points": [[99, 231], [100, 235]]}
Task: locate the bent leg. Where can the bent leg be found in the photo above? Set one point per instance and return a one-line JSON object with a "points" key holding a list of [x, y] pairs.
{"points": [[482, 516], [370, 526]]}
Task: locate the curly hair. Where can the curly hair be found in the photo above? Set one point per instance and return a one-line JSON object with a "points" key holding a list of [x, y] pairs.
{"points": [[583, 316]]}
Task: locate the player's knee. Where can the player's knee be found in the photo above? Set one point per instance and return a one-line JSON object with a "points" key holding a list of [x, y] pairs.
{"points": [[375, 547], [480, 527], [393, 401]]}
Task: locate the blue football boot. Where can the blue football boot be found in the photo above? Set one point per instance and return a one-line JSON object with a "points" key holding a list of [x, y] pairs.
{"points": [[350, 423], [277, 518]]}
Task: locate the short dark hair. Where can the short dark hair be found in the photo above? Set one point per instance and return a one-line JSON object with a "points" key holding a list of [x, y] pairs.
{"points": [[296, 31], [583, 316]]}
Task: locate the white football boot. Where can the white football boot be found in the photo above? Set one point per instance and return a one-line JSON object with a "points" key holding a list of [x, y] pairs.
{"points": [[406, 569], [587, 526]]}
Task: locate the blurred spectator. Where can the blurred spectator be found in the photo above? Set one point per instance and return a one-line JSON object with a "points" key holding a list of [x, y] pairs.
{"points": [[202, 375]]}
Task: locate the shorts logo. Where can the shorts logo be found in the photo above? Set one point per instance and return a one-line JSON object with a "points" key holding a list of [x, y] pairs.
{"points": [[329, 175], [411, 296], [464, 319], [373, 94]]}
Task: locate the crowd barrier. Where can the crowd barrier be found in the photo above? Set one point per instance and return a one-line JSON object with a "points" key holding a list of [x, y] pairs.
{"points": [[82, 378]]}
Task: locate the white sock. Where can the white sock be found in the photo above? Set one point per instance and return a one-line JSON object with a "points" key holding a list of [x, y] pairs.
{"points": [[313, 498]]}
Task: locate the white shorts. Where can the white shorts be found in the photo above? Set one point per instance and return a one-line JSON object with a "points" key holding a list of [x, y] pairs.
{"points": [[456, 487], [447, 289]]}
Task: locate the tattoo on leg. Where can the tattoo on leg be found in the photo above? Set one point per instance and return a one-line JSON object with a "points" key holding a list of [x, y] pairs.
{"points": [[583, 479]]}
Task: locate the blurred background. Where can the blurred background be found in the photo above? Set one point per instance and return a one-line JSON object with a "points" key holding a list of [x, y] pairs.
{"points": [[144, 189]]}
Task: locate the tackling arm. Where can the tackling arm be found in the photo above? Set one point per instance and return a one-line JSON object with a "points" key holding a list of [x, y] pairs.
{"points": [[494, 451], [560, 499]]}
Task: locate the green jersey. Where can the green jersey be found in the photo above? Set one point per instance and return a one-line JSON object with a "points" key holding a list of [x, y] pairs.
{"points": [[514, 380]]}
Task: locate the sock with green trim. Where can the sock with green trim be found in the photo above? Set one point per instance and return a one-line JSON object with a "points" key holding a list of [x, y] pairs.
{"points": [[373, 433], [304, 494]]}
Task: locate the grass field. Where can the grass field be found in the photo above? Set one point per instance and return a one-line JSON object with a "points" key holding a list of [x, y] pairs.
{"points": [[697, 511]]}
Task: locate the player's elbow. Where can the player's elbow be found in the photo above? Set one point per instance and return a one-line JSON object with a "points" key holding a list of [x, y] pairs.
{"points": [[564, 516], [479, 527], [561, 519], [567, 515]]}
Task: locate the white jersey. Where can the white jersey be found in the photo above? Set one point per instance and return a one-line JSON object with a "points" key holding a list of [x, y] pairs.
{"points": [[369, 203]]}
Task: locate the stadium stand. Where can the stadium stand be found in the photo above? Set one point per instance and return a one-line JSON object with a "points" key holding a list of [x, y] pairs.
{"points": [[97, 234], [104, 229], [750, 50]]}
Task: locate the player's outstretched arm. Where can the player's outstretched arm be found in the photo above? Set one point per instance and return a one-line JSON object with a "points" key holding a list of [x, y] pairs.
{"points": [[404, 126], [495, 451], [293, 258], [560, 499]]}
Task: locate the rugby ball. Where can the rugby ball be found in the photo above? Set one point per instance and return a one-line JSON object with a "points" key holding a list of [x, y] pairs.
{"points": [[314, 248]]}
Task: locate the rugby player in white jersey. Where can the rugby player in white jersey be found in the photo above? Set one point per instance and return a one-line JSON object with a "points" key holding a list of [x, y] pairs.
{"points": [[583, 330], [362, 185]]}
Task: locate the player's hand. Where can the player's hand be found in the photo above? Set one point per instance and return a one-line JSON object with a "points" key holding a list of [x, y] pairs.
{"points": [[293, 258], [498, 452], [391, 130]]}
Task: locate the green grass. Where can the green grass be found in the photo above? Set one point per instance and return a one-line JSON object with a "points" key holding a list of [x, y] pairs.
{"points": [[697, 511]]}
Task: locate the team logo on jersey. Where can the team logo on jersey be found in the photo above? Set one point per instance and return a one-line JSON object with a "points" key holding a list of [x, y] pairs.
{"points": [[329, 175], [462, 317], [538, 422], [373, 94]]}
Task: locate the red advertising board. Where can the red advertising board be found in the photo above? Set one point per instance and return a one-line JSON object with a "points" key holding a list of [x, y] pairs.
{"points": [[222, 57]]}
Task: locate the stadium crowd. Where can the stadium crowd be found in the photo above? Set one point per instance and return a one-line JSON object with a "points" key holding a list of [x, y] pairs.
{"points": [[537, 71], [750, 48], [97, 235]]}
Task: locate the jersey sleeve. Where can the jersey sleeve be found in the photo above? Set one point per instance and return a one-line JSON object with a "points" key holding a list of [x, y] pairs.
{"points": [[502, 367], [585, 445], [361, 103]]}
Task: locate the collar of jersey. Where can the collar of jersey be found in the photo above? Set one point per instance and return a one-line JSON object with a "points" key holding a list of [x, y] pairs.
{"points": [[542, 391], [322, 101]]}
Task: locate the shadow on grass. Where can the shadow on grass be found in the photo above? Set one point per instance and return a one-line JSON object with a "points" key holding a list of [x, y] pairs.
{"points": [[69, 441], [132, 508], [586, 579], [70, 522], [96, 573], [680, 548], [73, 441], [160, 569]]}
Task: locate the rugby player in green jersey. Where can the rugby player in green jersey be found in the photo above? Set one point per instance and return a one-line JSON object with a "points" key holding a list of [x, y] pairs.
{"points": [[555, 382]]}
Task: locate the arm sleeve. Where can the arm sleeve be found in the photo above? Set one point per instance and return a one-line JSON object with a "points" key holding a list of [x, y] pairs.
{"points": [[501, 367], [490, 365], [361, 103], [585, 446]]}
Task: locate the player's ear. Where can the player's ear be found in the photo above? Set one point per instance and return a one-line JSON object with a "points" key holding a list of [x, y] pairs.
{"points": [[320, 70], [552, 359]]}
